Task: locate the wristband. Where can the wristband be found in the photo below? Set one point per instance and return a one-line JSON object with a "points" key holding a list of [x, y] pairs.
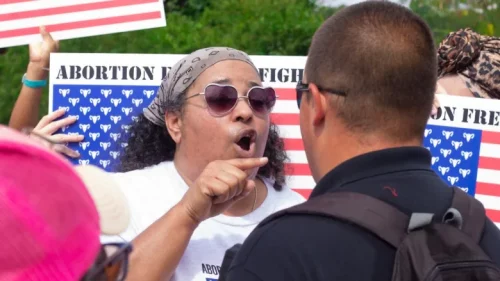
{"points": [[34, 83]]}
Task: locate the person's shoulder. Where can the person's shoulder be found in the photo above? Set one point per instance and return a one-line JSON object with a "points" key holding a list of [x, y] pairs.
{"points": [[143, 177], [316, 241], [306, 230], [149, 195], [286, 231], [271, 251], [167, 165]]}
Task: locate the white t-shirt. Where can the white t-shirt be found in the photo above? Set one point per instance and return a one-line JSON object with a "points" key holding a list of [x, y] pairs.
{"points": [[152, 191]]}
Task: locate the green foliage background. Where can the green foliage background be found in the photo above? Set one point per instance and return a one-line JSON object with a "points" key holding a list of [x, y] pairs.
{"points": [[259, 27]]}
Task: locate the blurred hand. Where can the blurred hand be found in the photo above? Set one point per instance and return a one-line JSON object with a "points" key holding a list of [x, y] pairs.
{"points": [[40, 55], [435, 106], [439, 91], [220, 185], [47, 127]]}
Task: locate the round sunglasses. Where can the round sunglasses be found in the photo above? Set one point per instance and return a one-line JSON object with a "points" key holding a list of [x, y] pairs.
{"points": [[222, 99]]}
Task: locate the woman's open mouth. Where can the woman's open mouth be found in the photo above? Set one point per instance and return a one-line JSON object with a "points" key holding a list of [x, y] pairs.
{"points": [[246, 143]]}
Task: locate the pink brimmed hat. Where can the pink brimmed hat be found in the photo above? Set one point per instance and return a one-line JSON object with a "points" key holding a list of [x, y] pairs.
{"points": [[51, 214]]}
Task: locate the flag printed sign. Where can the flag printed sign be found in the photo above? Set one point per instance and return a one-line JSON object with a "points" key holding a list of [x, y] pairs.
{"points": [[108, 91], [464, 140], [20, 19]]}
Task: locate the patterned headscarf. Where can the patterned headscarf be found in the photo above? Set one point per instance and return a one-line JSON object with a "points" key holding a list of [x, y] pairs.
{"points": [[184, 73], [475, 58]]}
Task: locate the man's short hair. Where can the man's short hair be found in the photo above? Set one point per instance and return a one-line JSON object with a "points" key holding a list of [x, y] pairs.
{"points": [[383, 57]]}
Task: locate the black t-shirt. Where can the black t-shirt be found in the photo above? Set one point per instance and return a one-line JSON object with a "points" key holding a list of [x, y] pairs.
{"points": [[302, 248]]}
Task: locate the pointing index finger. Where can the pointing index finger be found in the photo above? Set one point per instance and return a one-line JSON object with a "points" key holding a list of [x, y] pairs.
{"points": [[248, 163]]}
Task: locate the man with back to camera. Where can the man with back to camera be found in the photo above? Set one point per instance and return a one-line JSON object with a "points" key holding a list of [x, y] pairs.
{"points": [[364, 103]]}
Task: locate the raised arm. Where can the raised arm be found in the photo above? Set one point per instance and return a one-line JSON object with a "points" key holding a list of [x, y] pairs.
{"points": [[27, 107]]}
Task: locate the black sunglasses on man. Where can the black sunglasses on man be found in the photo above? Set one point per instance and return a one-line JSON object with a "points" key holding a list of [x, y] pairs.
{"points": [[303, 87]]}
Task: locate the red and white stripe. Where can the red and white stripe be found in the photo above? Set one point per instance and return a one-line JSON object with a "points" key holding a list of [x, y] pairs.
{"points": [[488, 175], [286, 116], [20, 19]]}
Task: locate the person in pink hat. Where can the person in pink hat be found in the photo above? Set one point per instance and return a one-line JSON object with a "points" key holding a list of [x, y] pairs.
{"points": [[52, 215]]}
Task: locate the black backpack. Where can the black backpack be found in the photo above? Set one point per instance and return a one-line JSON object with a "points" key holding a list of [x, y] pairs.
{"points": [[428, 248]]}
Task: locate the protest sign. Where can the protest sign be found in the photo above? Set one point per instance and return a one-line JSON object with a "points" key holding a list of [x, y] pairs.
{"points": [[464, 140], [20, 20], [107, 92]]}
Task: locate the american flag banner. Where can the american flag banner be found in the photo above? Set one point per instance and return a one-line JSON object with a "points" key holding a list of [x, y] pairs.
{"points": [[20, 19], [107, 92]]}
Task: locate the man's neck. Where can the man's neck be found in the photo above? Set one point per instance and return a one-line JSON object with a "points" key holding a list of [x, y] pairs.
{"points": [[351, 146], [186, 169]]}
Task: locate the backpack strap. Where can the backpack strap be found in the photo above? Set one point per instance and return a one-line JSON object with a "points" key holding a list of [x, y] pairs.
{"points": [[472, 211], [378, 217]]}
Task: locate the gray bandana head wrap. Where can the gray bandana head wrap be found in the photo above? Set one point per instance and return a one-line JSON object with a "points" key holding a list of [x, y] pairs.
{"points": [[184, 73]]}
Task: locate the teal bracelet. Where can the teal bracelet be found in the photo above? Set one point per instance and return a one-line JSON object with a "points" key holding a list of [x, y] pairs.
{"points": [[34, 83]]}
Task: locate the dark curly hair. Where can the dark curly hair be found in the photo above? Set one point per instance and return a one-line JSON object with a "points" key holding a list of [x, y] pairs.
{"points": [[149, 144]]}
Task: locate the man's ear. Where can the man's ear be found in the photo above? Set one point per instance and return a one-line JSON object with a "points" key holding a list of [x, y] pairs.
{"points": [[173, 121], [319, 104]]}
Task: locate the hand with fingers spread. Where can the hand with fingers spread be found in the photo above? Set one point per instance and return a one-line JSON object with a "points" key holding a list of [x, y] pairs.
{"points": [[220, 185], [48, 125]]}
